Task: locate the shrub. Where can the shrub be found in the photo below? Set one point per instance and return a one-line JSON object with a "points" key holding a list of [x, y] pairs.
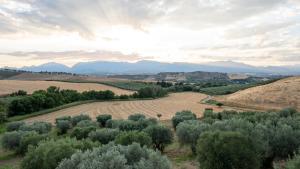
{"points": [[11, 140], [124, 97], [39, 127], [116, 157], [103, 118], [66, 118], [136, 117], [182, 116], [30, 139], [127, 138], [104, 136], [77, 119], [161, 136], [3, 117], [82, 132], [63, 126], [86, 123], [19, 93], [48, 154], [14, 126], [226, 150], [188, 132]]}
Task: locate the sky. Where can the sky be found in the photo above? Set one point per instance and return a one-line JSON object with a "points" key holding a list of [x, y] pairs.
{"points": [[255, 32]]}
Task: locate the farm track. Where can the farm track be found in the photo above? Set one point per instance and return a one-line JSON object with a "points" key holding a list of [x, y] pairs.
{"points": [[166, 106], [10, 86]]}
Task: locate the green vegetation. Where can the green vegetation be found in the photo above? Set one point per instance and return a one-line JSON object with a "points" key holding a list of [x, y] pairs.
{"points": [[264, 136], [129, 85], [182, 116], [227, 150], [116, 157]]}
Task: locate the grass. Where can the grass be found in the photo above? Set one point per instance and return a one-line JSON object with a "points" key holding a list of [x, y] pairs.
{"points": [[229, 89], [126, 85]]}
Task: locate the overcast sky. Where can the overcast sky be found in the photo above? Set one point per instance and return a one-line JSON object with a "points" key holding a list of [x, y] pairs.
{"points": [[256, 32]]}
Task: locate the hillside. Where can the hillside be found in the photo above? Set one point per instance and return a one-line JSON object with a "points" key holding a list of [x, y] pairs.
{"points": [[280, 94]]}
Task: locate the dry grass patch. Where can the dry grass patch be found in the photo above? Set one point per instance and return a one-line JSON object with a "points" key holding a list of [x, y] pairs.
{"points": [[9, 86], [280, 94], [166, 106]]}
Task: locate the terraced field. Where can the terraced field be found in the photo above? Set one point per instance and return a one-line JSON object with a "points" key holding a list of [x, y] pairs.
{"points": [[9, 86], [167, 106]]}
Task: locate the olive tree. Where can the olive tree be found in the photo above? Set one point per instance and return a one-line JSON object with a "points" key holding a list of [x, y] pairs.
{"points": [[116, 157]]}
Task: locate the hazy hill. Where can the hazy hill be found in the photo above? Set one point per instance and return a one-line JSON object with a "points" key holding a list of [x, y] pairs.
{"points": [[280, 94], [153, 67]]}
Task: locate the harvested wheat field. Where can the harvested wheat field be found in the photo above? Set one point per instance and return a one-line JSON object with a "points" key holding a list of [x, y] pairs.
{"points": [[9, 86], [280, 94], [167, 106]]}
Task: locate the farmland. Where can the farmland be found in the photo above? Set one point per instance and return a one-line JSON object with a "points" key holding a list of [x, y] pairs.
{"points": [[10, 86], [277, 95], [166, 106]]}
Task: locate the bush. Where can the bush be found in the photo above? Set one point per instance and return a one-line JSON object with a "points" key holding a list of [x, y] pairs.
{"points": [[30, 139], [86, 123], [82, 132], [66, 118], [11, 140], [63, 126], [127, 138], [160, 135], [226, 150], [39, 127], [188, 132], [14, 126], [48, 154], [3, 117], [104, 136], [116, 157], [136, 117], [103, 118], [19, 93], [77, 119], [182, 116]]}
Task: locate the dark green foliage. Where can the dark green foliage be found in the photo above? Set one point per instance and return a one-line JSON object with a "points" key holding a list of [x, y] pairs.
{"points": [[104, 136], [14, 126], [86, 123], [182, 116], [136, 117], [124, 97], [3, 117], [275, 135], [227, 150], [77, 119], [51, 98], [11, 140], [117, 157], [82, 132], [127, 138], [48, 154], [63, 126], [39, 127], [151, 92], [30, 139], [103, 118], [67, 118], [161, 136], [189, 131], [19, 93], [129, 125]]}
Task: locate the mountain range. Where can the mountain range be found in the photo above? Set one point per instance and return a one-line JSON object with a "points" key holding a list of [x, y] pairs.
{"points": [[153, 67]]}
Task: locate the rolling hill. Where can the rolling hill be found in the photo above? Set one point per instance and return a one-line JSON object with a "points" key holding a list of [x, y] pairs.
{"points": [[280, 94]]}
